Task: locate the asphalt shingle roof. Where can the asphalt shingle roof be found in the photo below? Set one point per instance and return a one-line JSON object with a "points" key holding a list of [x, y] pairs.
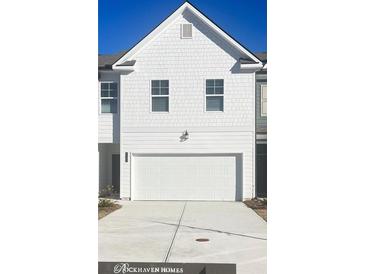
{"points": [[262, 56], [107, 60]]}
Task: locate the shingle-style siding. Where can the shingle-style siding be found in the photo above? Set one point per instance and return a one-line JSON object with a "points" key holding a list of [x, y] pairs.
{"points": [[109, 123], [187, 63], [261, 121]]}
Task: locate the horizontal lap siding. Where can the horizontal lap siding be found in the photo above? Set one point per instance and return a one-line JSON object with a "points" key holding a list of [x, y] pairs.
{"points": [[198, 142], [109, 130], [208, 140]]}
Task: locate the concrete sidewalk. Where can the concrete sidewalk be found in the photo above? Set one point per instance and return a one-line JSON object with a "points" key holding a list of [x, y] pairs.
{"points": [[167, 232]]}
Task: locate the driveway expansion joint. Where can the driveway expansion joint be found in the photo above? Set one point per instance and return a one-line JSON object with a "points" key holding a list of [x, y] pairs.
{"points": [[173, 238]]}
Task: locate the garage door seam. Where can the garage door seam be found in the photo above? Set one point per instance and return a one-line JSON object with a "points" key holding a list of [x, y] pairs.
{"points": [[173, 238]]}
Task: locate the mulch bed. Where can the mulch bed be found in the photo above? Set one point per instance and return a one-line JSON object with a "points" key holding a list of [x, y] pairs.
{"points": [[103, 211], [259, 206]]}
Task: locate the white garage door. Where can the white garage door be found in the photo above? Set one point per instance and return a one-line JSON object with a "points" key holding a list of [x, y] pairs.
{"points": [[185, 177]]}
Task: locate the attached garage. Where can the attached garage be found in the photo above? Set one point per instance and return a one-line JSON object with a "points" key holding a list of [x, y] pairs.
{"points": [[205, 177]]}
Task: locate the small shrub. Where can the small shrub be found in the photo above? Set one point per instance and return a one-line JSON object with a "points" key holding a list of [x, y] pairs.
{"points": [[105, 203], [107, 191]]}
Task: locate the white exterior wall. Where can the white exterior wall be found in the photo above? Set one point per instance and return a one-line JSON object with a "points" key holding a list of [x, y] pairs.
{"points": [[187, 63], [109, 123]]}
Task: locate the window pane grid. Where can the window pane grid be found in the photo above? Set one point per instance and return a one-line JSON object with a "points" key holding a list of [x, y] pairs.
{"points": [[109, 90], [214, 87], [160, 87]]}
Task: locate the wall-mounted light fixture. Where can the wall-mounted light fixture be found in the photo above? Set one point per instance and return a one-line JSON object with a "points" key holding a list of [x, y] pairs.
{"points": [[184, 136]]}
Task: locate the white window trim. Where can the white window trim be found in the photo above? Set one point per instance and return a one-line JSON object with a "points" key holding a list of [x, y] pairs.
{"points": [[210, 95], [100, 98], [151, 96], [181, 31], [262, 101]]}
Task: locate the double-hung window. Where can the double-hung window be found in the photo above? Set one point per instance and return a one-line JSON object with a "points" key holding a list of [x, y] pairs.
{"points": [[214, 94], [160, 95], [109, 97]]}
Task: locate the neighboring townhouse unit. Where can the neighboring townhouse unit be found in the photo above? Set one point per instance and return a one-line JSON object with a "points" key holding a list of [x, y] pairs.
{"points": [[261, 128], [177, 114]]}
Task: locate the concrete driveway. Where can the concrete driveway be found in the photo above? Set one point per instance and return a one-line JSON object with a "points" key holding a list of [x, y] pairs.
{"points": [[167, 232]]}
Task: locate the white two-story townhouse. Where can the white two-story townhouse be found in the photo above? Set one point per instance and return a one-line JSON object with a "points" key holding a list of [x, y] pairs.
{"points": [[177, 114]]}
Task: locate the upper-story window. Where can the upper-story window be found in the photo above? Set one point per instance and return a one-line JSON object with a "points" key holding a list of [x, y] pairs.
{"points": [[186, 31], [160, 95], [214, 94], [109, 97], [263, 100]]}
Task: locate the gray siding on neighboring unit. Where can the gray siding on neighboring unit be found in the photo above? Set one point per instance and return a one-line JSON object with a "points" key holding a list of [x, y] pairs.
{"points": [[109, 123], [261, 79], [106, 150]]}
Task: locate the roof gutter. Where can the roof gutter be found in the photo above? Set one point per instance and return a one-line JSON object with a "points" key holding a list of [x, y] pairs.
{"points": [[251, 67], [124, 68]]}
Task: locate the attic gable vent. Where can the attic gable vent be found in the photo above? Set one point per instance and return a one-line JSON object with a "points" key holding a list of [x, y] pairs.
{"points": [[186, 31]]}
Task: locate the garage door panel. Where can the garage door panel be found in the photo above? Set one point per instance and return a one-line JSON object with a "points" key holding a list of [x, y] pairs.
{"points": [[184, 177]]}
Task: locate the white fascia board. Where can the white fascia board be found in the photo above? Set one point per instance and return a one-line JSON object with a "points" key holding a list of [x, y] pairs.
{"points": [[123, 68], [154, 33], [251, 66]]}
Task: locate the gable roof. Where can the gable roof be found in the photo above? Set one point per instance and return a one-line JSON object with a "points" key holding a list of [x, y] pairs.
{"points": [[105, 61], [164, 24], [262, 56]]}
